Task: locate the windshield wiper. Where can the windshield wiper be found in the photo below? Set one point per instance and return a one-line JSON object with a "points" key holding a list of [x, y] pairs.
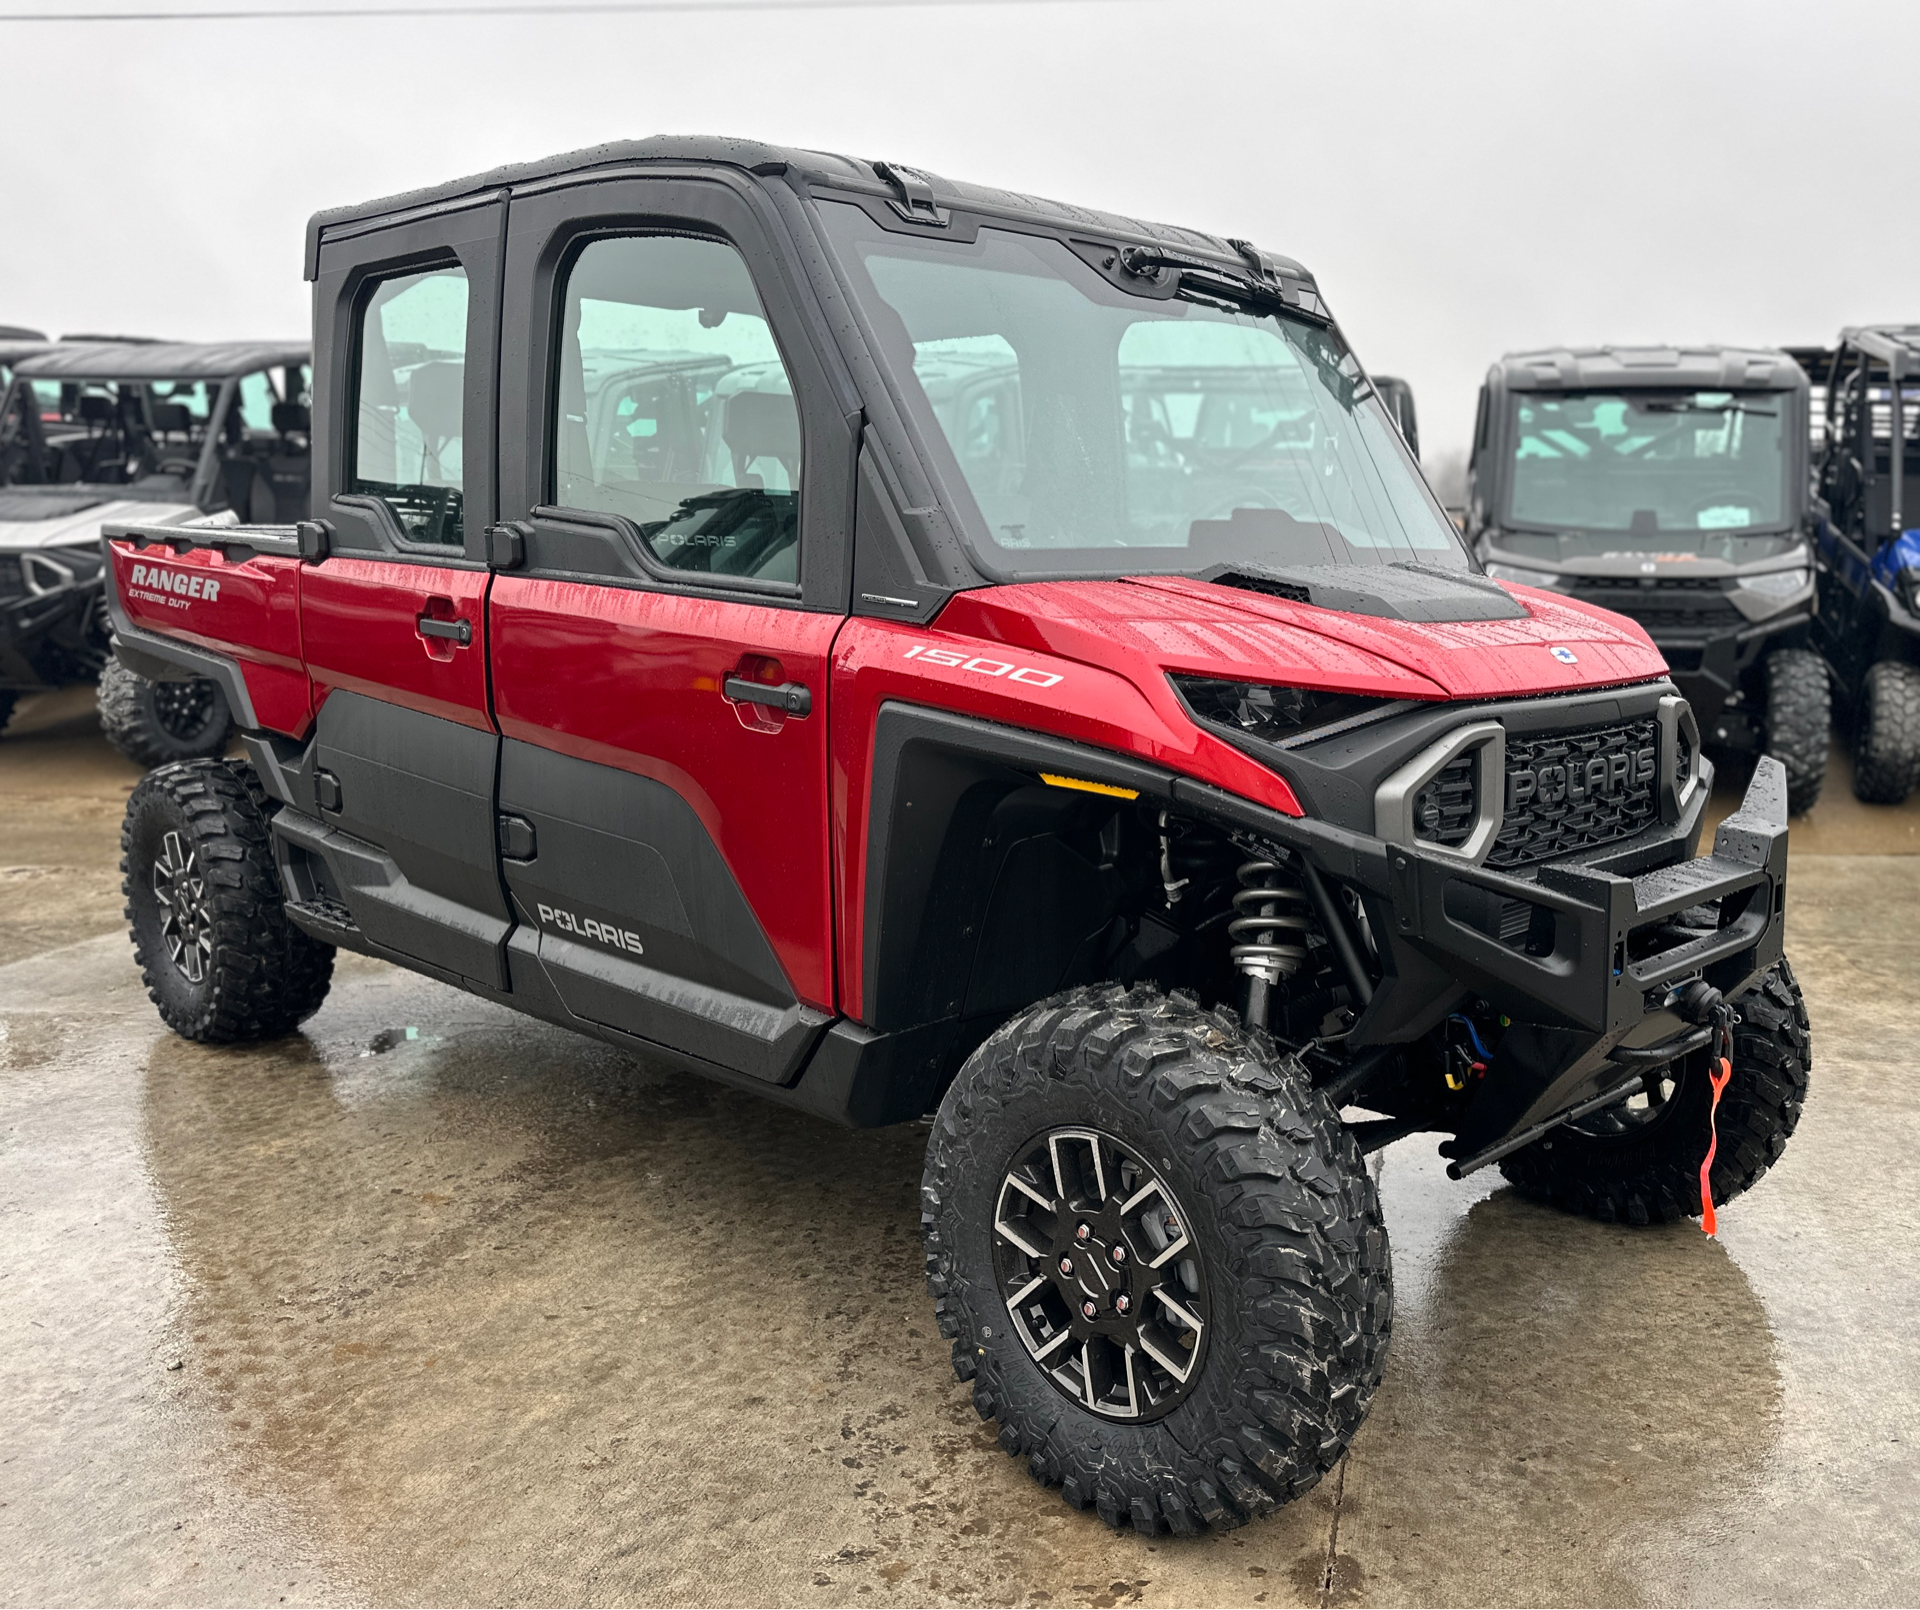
{"points": [[1203, 280]]}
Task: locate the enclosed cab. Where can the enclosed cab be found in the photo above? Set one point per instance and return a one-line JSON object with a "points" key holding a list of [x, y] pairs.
{"points": [[1869, 532], [164, 432], [1669, 484], [908, 649]]}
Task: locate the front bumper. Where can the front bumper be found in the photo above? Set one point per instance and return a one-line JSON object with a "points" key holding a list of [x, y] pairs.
{"points": [[53, 630], [1595, 967]]}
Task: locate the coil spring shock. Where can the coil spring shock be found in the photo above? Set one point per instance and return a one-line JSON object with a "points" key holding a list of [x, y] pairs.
{"points": [[1268, 929]]}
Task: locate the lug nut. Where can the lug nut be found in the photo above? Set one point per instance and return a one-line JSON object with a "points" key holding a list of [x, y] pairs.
{"points": [[1119, 1254], [1066, 1266], [1084, 1233], [1121, 1302], [1090, 1308]]}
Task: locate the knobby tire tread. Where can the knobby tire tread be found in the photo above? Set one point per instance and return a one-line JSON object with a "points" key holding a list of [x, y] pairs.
{"points": [[128, 720], [1799, 722], [1886, 746], [1306, 1267], [267, 976], [1655, 1179]]}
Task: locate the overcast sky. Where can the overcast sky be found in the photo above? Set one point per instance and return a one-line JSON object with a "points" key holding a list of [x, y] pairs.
{"points": [[1463, 178]]}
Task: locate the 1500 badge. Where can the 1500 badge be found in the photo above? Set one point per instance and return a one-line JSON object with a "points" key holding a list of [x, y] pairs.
{"points": [[983, 665]]}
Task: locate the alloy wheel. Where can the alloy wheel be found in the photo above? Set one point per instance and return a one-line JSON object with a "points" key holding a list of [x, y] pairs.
{"points": [[1100, 1274], [186, 925]]}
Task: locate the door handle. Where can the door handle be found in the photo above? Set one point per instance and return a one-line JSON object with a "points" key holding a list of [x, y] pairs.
{"points": [[460, 632], [791, 697]]}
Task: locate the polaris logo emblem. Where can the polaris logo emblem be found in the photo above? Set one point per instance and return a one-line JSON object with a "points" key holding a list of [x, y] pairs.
{"points": [[1565, 656], [180, 583], [603, 933], [1604, 776]]}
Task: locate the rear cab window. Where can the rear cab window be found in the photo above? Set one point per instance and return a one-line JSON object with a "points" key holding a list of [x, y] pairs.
{"points": [[408, 407]]}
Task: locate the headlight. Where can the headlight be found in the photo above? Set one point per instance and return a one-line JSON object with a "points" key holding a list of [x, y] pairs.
{"points": [[1271, 712], [1523, 576], [1775, 583]]}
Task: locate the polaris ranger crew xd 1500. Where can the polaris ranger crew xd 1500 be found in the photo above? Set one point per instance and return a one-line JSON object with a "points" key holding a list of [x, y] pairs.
{"points": [[1671, 485], [166, 432], [902, 648]]}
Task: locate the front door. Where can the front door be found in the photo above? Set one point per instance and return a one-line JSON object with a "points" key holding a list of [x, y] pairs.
{"points": [[660, 652], [394, 618]]}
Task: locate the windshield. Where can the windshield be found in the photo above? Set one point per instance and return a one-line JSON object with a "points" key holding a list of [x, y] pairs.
{"points": [[1650, 462], [1100, 432]]}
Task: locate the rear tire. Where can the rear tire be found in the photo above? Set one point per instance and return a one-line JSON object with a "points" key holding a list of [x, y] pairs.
{"points": [[1886, 740], [157, 723], [1799, 722], [210, 930], [1648, 1171], [1289, 1276]]}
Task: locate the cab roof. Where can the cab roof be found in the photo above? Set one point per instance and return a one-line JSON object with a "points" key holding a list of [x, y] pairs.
{"points": [[1696, 368], [805, 170], [159, 360]]}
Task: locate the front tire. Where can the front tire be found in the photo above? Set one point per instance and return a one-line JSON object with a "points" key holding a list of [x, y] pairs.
{"points": [[1886, 741], [1158, 1130], [1638, 1162], [210, 930], [157, 723], [1799, 722]]}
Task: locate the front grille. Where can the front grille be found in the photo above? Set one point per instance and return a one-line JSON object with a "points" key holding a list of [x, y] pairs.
{"points": [[1569, 791], [13, 582], [1692, 605], [1445, 809]]}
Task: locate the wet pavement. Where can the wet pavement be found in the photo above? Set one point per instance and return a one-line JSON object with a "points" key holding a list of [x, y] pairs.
{"points": [[433, 1304]]}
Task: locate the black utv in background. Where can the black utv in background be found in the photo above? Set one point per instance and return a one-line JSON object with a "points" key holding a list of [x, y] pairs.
{"points": [[95, 429], [1868, 508], [1670, 485]]}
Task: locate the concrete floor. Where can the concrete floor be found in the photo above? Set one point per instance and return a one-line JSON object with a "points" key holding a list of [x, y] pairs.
{"points": [[431, 1304]]}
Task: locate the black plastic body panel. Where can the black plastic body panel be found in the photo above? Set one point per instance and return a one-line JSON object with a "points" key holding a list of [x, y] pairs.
{"points": [[416, 831], [639, 922]]}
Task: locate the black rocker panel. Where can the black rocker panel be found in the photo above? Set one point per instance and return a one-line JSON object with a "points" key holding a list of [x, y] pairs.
{"points": [[420, 788], [641, 925]]}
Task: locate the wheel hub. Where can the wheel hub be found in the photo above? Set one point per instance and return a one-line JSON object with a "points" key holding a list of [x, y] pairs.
{"points": [[186, 925], [1099, 1276], [183, 708]]}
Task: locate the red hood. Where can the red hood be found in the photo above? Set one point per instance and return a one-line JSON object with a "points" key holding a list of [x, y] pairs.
{"points": [[1182, 625]]}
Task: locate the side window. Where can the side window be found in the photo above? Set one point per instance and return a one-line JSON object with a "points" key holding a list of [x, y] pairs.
{"points": [[256, 401], [408, 408], [674, 408]]}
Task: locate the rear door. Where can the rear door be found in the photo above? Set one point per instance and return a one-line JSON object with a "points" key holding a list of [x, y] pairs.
{"points": [[394, 619], [660, 648]]}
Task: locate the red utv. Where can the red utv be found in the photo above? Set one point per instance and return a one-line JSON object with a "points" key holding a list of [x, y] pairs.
{"points": [[904, 648]]}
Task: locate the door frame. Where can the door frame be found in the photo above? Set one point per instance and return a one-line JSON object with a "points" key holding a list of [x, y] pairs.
{"points": [[549, 222], [473, 234]]}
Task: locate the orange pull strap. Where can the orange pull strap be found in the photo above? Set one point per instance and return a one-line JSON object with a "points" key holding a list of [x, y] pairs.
{"points": [[1719, 1082]]}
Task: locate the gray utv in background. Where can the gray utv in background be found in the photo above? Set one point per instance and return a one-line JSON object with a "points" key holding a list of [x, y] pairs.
{"points": [[165, 432], [1670, 485]]}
